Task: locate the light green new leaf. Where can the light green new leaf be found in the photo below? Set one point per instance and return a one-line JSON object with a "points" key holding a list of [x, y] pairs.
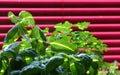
{"points": [[82, 25], [64, 28], [46, 30], [25, 44], [27, 17], [12, 17], [63, 46]]}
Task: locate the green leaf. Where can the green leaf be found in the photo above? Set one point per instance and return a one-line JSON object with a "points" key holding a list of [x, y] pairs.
{"points": [[71, 57], [12, 17], [82, 25], [38, 33], [51, 39], [23, 31], [4, 60], [46, 30], [66, 37], [73, 69], [32, 69], [28, 53], [64, 28], [27, 17], [24, 44], [80, 69], [56, 61], [11, 50], [94, 68], [12, 35], [63, 46], [39, 46], [9, 53], [38, 40], [85, 60]]}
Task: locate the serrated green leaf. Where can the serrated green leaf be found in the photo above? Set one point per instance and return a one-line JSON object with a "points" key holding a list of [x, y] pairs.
{"points": [[46, 30], [12, 17], [64, 28], [82, 25], [63, 46], [27, 18]]}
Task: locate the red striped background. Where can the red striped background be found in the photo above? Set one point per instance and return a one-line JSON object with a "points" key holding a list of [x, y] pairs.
{"points": [[104, 16]]}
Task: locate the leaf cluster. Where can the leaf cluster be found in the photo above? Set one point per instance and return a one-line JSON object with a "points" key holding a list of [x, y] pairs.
{"points": [[66, 52]]}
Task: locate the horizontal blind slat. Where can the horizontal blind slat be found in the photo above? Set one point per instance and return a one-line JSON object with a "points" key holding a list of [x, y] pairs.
{"points": [[74, 19], [60, 3], [99, 35], [63, 11], [91, 27]]}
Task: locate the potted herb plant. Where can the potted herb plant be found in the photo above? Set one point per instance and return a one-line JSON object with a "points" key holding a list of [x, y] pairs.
{"points": [[63, 51]]}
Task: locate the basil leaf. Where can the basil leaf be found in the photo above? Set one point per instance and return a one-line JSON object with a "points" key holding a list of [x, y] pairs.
{"points": [[38, 33], [80, 69], [27, 18], [56, 61], [31, 69], [12, 17], [63, 46], [12, 35], [39, 40], [23, 30]]}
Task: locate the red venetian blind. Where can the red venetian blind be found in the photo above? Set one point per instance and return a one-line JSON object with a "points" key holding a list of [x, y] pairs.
{"points": [[104, 16]]}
